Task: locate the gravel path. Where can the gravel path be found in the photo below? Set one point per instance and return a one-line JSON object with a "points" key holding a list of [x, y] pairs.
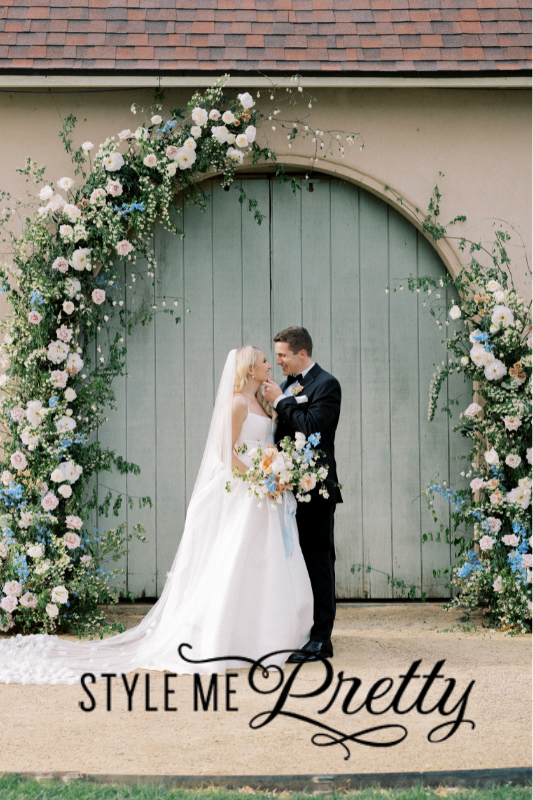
{"points": [[43, 728]]}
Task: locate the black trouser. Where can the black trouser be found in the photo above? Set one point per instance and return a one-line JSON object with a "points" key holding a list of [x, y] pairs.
{"points": [[315, 530]]}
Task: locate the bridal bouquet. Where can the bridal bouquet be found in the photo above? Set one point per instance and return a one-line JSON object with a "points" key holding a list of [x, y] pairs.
{"points": [[290, 465]]}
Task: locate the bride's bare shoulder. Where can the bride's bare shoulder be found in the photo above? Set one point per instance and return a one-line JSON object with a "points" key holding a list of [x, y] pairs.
{"points": [[240, 406]]}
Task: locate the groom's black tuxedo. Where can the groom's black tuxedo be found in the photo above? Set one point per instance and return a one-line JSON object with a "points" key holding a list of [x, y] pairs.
{"points": [[320, 414]]}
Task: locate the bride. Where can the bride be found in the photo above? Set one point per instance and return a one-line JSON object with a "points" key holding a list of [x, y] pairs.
{"points": [[238, 585]]}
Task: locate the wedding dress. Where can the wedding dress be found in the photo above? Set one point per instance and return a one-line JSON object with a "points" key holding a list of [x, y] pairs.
{"points": [[232, 589]]}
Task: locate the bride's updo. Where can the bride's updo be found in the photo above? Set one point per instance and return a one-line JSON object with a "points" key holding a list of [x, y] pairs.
{"points": [[247, 357]]}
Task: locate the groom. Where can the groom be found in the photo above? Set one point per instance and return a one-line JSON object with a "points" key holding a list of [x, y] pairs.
{"points": [[309, 401]]}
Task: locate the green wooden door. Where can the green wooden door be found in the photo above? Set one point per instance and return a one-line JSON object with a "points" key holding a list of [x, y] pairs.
{"points": [[321, 259]]}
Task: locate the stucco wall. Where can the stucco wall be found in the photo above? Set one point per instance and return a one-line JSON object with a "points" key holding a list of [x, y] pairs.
{"points": [[479, 138]]}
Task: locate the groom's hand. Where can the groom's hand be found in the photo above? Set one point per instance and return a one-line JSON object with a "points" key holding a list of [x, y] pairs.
{"points": [[272, 390]]}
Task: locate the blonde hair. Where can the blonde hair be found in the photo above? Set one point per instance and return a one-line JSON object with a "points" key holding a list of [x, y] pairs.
{"points": [[247, 357]]}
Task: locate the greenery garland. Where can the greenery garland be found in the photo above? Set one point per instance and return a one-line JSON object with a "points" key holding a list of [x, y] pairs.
{"points": [[61, 285]]}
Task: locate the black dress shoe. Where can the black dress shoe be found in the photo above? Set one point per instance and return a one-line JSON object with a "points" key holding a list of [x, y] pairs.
{"points": [[312, 651]]}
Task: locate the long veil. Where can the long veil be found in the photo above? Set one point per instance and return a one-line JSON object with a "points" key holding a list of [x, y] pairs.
{"points": [[45, 659]]}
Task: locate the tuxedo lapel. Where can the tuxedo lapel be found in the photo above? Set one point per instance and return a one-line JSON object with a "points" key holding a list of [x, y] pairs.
{"points": [[311, 376]]}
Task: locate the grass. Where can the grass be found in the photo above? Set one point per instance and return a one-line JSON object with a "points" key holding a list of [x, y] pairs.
{"points": [[15, 788]]}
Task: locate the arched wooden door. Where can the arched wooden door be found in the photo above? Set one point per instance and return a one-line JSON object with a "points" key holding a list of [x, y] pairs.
{"points": [[321, 259]]}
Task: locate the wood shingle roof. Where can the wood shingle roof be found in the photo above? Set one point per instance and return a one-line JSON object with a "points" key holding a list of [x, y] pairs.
{"points": [[348, 36]]}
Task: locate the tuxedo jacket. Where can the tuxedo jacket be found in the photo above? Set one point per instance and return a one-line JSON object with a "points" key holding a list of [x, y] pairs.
{"points": [[319, 414]]}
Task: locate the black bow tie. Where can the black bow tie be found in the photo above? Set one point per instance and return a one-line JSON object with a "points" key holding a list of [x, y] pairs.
{"points": [[293, 379]]}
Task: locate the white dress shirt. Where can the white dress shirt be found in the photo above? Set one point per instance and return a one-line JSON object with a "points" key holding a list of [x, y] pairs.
{"points": [[287, 391]]}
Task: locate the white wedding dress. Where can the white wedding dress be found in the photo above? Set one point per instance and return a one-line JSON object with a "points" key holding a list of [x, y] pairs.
{"points": [[232, 590]]}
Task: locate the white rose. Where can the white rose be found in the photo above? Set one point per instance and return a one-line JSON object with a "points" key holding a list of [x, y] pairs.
{"points": [[86, 146], [513, 460], [189, 143], [73, 287], [186, 159], [464, 360], [57, 352], [495, 370], [57, 475], [220, 133], [241, 140], [46, 193], [493, 286], [56, 202], [65, 424], [35, 551], [65, 490], [528, 455], [26, 519], [113, 188], [512, 423], [228, 117], [251, 132], [213, 114], [199, 116], [156, 119], [74, 364], [150, 160], [480, 356], [235, 155], [472, 410], [35, 413], [492, 457], [454, 312], [66, 231], [97, 196], [59, 594], [246, 99], [68, 306], [65, 184], [52, 610], [171, 168], [31, 440], [80, 258], [499, 296], [70, 395], [231, 138], [278, 465], [196, 131], [502, 315], [113, 162]]}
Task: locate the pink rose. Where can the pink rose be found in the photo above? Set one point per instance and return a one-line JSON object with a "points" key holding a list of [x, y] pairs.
{"points": [[64, 333], [18, 413], [34, 317], [98, 296], [527, 560], [9, 604], [124, 247], [486, 543], [49, 501], [494, 523], [59, 378], [86, 560], [172, 151], [497, 585], [125, 134], [511, 539], [476, 484], [72, 540], [12, 588], [114, 188], [28, 600], [74, 522], [61, 264], [18, 460], [7, 477]]}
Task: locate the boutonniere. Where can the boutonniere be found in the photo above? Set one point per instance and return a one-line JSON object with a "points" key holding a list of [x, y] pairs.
{"points": [[295, 389]]}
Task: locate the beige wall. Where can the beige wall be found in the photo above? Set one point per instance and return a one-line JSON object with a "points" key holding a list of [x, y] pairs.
{"points": [[479, 138]]}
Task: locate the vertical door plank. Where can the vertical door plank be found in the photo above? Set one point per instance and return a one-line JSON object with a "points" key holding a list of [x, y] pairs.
{"points": [[375, 394], [316, 268], [286, 260], [345, 365], [227, 275], [140, 388], [256, 270], [460, 389], [170, 400], [434, 444], [198, 332], [404, 393], [112, 433]]}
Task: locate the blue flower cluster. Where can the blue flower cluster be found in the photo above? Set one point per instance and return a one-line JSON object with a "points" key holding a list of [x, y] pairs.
{"points": [[473, 564], [168, 126], [515, 562], [270, 483], [53, 402], [36, 297], [127, 208], [11, 493], [21, 567]]}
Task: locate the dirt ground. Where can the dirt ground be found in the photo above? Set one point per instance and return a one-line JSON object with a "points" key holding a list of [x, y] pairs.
{"points": [[42, 728]]}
